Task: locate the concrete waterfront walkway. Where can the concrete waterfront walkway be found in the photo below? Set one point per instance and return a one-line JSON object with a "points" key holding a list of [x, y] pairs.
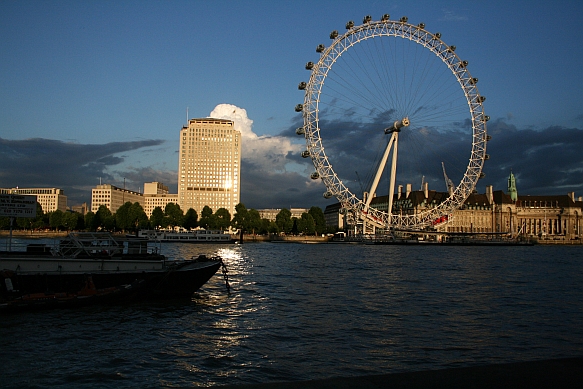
{"points": [[552, 374]]}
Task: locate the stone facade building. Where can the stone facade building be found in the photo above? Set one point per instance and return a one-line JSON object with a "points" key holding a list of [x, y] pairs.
{"points": [[555, 217]]}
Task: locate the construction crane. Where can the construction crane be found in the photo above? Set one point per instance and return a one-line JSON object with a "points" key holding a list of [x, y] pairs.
{"points": [[448, 183], [359, 182]]}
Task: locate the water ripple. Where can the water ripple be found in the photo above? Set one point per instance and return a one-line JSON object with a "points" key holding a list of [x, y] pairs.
{"points": [[299, 312]]}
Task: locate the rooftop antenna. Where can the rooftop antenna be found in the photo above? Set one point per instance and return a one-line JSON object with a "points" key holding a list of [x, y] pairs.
{"points": [[99, 180], [187, 116]]}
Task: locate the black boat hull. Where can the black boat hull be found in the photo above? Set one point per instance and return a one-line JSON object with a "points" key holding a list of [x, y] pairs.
{"points": [[180, 280]]}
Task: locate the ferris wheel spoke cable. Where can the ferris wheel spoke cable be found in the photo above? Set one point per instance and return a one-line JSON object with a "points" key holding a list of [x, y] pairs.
{"points": [[379, 82], [352, 90], [364, 79], [384, 77]]}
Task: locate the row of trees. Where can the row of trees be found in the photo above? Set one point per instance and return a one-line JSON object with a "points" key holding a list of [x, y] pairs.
{"points": [[310, 223], [132, 217]]}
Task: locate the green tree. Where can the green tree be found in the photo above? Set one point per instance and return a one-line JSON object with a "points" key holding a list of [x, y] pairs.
{"points": [[4, 222], [80, 226], [272, 228], [239, 221], [253, 220], [284, 221], [174, 215], [69, 220], [38, 221], [222, 219], [263, 228], [122, 216], [56, 219], [319, 219], [137, 217], [90, 220], [306, 224], [105, 218], [294, 230], [157, 218], [206, 218], [190, 219]]}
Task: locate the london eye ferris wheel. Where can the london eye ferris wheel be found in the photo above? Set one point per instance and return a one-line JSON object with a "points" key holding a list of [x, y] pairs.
{"points": [[394, 101]]}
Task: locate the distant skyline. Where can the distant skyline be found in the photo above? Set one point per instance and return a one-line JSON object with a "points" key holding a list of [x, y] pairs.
{"points": [[97, 90]]}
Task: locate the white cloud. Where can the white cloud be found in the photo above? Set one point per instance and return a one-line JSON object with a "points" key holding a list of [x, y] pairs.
{"points": [[451, 16], [266, 153]]}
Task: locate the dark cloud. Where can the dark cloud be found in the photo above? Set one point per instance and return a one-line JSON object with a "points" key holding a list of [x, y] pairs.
{"points": [[354, 149], [264, 189], [73, 167], [141, 175], [547, 161]]}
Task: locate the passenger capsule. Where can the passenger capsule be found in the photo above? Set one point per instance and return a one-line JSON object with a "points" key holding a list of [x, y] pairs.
{"points": [[464, 64], [473, 81], [300, 131], [315, 175], [385, 18], [451, 49], [302, 85], [438, 35], [299, 108], [349, 24], [334, 34], [488, 137], [486, 118], [404, 19], [305, 154], [486, 157], [367, 19], [482, 175], [421, 25], [327, 195], [342, 211], [320, 48], [481, 99], [309, 65]]}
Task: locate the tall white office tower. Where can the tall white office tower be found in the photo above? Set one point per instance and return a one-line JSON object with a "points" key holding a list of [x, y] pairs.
{"points": [[209, 165]]}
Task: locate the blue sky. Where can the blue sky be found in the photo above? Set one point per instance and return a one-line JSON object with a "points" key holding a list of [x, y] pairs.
{"points": [[99, 89]]}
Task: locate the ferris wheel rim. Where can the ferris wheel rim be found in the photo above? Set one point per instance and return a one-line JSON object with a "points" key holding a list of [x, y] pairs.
{"points": [[313, 89]]}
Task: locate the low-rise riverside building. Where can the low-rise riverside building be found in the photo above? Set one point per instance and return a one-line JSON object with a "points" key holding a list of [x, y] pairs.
{"points": [[50, 199], [271, 213], [113, 197], [155, 195]]}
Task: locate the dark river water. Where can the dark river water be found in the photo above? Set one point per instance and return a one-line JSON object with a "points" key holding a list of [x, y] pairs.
{"points": [[311, 311]]}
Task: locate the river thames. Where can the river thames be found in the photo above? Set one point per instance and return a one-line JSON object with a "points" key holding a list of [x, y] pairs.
{"points": [[312, 311]]}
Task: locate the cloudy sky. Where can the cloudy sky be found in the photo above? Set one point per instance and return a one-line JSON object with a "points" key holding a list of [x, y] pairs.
{"points": [[98, 91]]}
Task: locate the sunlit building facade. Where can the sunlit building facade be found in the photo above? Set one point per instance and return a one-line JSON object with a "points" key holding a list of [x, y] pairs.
{"points": [[112, 197], [271, 213], [209, 165], [50, 199], [156, 195]]}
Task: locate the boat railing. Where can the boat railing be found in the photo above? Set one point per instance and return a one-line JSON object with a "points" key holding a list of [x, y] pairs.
{"points": [[89, 244], [102, 244]]}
